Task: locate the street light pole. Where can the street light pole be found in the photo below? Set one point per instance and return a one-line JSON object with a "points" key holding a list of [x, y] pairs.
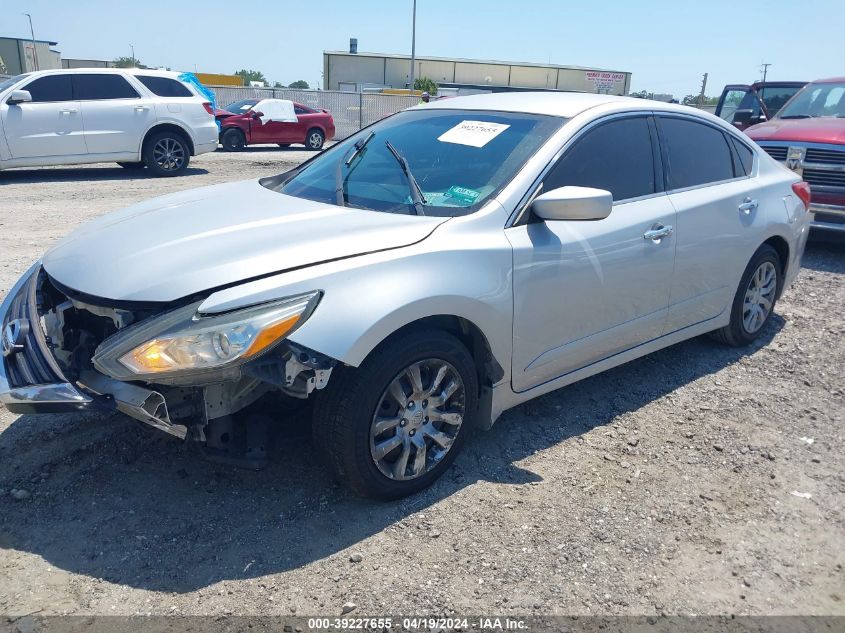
{"points": [[132, 48], [32, 33], [413, 44]]}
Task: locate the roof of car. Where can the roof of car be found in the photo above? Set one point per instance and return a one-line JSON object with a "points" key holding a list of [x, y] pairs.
{"points": [[562, 104], [131, 71], [831, 80]]}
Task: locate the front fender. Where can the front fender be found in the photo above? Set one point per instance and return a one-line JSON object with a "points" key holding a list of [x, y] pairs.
{"points": [[369, 297]]}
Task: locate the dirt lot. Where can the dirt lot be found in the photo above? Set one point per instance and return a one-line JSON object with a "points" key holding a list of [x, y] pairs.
{"points": [[697, 480]]}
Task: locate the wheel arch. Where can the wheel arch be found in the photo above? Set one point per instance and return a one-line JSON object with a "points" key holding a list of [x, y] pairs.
{"points": [[489, 370], [169, 127], [781, 246]]}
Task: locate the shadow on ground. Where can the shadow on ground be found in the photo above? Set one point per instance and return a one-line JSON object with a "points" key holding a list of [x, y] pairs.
{"points": [[113, 501], [78, 174]]}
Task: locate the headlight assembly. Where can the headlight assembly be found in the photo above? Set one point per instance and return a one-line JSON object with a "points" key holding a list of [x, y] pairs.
{"points": [[184, 342]]}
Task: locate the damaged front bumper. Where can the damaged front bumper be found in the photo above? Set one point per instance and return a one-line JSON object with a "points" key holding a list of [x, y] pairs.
{"points": [[32, 379], [32, 382]]}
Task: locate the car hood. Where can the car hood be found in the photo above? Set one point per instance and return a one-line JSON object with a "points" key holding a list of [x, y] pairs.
{"points": [[815, 130], [189, 242]]}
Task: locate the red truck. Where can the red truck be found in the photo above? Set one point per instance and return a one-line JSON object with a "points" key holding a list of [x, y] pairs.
{"points": [[808, 136]]}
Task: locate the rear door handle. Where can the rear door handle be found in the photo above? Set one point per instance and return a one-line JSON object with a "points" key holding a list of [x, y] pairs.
{"points": [[748, 205], [142, 108], [658, 232]]}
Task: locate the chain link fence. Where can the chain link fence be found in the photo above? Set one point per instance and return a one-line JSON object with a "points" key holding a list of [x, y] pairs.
{"points": [[351, 110]]}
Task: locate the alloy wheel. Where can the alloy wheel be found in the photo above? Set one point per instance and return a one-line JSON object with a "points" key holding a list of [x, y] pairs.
{"points": [[169, 154], [759, 297], [417, 419], [315, 140]]}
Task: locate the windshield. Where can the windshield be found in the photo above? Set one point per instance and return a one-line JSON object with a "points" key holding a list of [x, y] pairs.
{"points": [[457, 158], [11, 81], [775, 96], [239, 107], [816, 100]]}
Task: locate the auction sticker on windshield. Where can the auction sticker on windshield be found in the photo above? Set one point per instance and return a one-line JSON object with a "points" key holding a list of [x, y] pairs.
{"points": [[473, 133]]}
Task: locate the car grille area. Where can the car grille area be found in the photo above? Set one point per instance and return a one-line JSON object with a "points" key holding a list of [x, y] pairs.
{"points": [[824, 178], [776, 152], [825, 156], [30, 366]]}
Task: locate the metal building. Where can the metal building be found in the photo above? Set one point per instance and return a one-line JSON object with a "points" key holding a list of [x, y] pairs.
{"points": [[364, 71], [19, 55]]}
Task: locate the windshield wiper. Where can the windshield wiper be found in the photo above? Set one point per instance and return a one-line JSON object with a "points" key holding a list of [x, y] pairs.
{"points": [[340, 190], [413, 185], [796, 116]]}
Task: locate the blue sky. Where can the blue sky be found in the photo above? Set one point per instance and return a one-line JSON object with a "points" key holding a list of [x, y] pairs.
{"points": [[667, 45]]}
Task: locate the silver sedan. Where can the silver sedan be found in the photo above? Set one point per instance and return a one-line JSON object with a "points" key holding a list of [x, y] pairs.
{"points": [[413, 281]]}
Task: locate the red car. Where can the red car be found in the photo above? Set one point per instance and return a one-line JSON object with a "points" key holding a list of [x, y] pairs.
{"points": [[808, 136], [241, 125]]}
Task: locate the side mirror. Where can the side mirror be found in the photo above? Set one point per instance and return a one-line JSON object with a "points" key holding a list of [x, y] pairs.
{"points": [[257, 115], [573, 203], [19, 96], [742, 117]]}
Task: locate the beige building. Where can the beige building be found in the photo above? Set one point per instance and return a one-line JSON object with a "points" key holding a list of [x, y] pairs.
{"points": [[22, 55], [363, 71]]}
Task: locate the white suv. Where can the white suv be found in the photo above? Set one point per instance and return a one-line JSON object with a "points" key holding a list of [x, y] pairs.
{"points": [[134, 117]]}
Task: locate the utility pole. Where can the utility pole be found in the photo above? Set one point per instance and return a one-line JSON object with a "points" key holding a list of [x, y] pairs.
{"points": [[703, 87], [413, 45], [32, 33], [765, 67], [134, 63]]}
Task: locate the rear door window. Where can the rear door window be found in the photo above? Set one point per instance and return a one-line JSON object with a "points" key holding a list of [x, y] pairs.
{"points": [[694, 153], [51, 88], [744, 158], [615, 156], [100, 87], [164, 86]]}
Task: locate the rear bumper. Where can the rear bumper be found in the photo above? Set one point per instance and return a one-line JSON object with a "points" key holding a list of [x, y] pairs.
{"points": [[829, 217]]}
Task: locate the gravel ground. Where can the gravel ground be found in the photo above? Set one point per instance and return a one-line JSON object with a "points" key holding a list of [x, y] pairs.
{"points": [[699, 479]]}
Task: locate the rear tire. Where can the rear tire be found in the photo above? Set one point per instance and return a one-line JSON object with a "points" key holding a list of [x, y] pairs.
{"points": [[755, 299], [357, 416], [314, 139], [166, 153], [233, 140]]}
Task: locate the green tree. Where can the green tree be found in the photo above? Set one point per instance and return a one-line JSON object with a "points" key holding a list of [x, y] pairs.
{"points": [[690, 100], [251, 75], [127, 62], [300, 84], [426, 85]]}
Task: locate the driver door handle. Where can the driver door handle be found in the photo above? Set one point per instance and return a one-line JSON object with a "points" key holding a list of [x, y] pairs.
{"points": [[748, 205], [658, 232], [68, 111]]}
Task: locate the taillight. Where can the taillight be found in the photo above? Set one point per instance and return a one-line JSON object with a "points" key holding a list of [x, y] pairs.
{"points": [[802, 190], [208, 107]]}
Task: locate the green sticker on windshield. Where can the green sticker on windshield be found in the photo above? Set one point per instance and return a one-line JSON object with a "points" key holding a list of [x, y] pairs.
{"points": [[464, 194]]}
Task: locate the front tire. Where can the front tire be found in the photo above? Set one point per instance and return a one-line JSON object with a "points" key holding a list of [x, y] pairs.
{"points": [[166, 154], [755, 299], [314, 139], [233, 140], [395, 424]]}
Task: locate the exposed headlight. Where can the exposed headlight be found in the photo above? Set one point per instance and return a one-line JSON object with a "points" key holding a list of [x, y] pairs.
{"points": [[187, 342]]}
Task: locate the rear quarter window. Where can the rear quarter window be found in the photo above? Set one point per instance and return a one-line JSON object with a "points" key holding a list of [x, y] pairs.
{"points": [[164, 86]]}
